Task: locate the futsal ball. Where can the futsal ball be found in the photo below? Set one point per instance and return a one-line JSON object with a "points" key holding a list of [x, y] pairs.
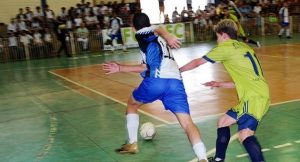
{"points": [[147, 131]]}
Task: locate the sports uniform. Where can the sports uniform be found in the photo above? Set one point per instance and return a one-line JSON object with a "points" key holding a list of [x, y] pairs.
{"points": [[253, 91], [162, 78]]}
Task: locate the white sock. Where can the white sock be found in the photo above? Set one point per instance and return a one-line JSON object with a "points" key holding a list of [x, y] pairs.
{"points": [[281, 32], [287, 32], [132, 127], [200, 150]]}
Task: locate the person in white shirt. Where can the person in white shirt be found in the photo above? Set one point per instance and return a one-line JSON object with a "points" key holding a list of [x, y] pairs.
{"points": [[29, 14], [82, 36], [37, 37], [13, 47], [284, 17], [12, 26], [21, 25], [25, 38], [78, 20]]}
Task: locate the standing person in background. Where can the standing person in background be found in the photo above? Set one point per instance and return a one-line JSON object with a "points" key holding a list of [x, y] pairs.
{"points": [[242, 65], [116, 36], [161, 9], [61, 35], [284, 18], [161, 81], [241, 32], [189, 4]]}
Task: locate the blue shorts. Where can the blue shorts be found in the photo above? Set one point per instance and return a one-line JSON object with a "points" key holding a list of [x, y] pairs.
{"points": [[170, 91], [117, 35], [244, 121], [285, 24]]}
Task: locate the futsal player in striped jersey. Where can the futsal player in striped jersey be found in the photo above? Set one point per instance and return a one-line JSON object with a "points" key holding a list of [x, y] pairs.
{"points": [[161, 81], [253, 91]]}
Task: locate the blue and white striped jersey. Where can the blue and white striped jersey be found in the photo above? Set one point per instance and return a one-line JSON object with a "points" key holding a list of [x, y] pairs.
{"points": [[157, 55]]}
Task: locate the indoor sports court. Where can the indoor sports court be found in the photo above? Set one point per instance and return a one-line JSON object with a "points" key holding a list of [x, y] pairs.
{"points": [[66, 109]]}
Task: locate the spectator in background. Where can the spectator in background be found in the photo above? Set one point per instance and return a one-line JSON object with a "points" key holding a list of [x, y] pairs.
{"points": [[63, 13], [167, 20], [82, 36], [35, 23], [13, 46], [49, 13], [37, 37], [184, 15], [115, 25], [175, 14], [29, 14], [284, 18], [161, 4], [69, 23], [12, 26], [189, 4], [21, 25], [61, 35], [21, 15], [38, 13], [25, 38], [91, 20], [78, 20]]}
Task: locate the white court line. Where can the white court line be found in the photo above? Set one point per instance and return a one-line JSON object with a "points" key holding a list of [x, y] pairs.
{"points": [[111, 98], [283, 145], [241, 155], [265, 150], [298, 141]]}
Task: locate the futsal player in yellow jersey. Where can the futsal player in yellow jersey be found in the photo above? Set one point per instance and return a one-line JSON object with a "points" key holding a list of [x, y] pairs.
{"points": [[241, 33], [253, 92]]}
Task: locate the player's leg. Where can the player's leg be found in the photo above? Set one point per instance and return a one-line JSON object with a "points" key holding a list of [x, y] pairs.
{"points": [[193, 134], [223, 135], [175, 100], [287, 31], [247, 126], [132, 125]]}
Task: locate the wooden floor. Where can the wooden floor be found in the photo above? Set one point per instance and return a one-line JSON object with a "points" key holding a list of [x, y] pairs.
{"points": [[278, 63]]}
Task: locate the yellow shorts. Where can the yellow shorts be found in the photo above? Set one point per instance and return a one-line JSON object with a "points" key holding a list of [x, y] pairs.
{"points": [[254, 106]]}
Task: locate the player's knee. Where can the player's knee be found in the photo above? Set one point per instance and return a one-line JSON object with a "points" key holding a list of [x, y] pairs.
{"points": [[222, 122], [245, 133]]}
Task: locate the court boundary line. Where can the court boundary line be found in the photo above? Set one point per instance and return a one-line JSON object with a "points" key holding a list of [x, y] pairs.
{"points": [[109, 97]]}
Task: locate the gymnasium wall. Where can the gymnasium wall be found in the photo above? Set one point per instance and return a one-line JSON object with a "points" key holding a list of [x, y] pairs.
{"points": [[10, 8]]}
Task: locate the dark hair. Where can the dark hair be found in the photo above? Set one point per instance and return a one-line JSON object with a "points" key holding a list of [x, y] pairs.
{"points": [[140, 20], [227, 26]]}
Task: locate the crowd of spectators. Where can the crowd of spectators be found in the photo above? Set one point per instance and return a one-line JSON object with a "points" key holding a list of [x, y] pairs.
{"points": [[41, 25], [213, 12]]}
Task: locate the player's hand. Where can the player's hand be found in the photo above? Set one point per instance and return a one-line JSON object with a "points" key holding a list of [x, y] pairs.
{"points": [[111, 67], [173, 42], [212, 84]]}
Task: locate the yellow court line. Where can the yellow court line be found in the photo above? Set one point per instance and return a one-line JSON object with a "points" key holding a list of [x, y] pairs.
{"points": [[109, 97]]}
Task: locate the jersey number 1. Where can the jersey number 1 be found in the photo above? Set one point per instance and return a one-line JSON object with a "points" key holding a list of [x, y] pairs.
{"points": [[252, 60]]}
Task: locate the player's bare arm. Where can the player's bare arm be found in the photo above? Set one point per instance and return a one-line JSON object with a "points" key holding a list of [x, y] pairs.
{"points": [[219, 84], [193, 64], [172, 41], [114, 67]]}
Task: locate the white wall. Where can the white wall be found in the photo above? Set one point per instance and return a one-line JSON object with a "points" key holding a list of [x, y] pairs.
{"points": [[151, 8]]}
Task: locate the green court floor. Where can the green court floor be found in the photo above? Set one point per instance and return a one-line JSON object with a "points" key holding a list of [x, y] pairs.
{"points": [[43, 118]]}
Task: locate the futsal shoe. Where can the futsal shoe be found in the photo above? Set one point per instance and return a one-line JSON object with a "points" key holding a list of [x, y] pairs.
{"points": [[212, 159], [202, 160], [128, 148]]}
